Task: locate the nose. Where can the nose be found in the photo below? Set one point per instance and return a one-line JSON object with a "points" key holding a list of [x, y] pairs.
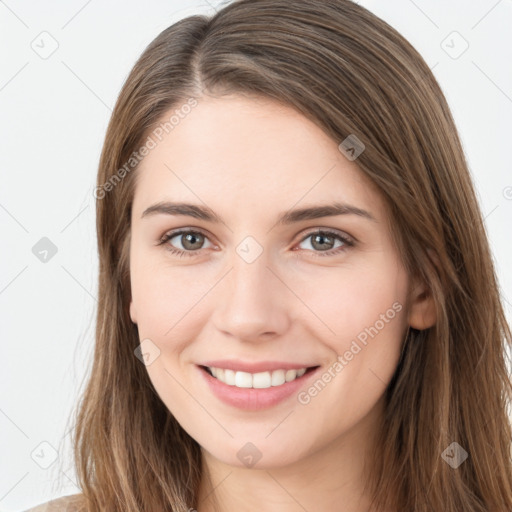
{"points": [[252, 301]]}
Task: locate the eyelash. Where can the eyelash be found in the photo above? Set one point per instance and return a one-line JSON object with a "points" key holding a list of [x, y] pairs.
{"points": [[178, 252]]}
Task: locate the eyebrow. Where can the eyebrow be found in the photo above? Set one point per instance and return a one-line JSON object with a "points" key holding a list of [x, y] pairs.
{"points": [[289, 217]]}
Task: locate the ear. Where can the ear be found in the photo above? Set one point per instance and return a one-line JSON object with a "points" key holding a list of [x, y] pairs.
{"points": [[422, 309], [133, 314]]}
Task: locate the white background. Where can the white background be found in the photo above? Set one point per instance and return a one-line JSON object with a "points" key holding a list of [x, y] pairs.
{"points": [[54, 113]]}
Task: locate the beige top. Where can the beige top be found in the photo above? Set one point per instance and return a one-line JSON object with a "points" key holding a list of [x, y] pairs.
{"points": [[73, 503]]}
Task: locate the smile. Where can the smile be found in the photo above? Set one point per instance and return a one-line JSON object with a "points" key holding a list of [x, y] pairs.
{"points": [[255, 391], [258, 380]]}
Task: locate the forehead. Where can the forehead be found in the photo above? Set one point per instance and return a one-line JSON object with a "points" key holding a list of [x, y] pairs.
{"points": [[249, 153]]}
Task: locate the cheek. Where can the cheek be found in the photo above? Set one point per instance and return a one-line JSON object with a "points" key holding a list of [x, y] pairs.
{"points": [[366, 317], [362, 313], [169, 303], [350, 300], [168, 310]]}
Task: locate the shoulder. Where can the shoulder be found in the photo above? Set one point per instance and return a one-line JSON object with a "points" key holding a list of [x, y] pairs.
{"points": [[73, 503]]}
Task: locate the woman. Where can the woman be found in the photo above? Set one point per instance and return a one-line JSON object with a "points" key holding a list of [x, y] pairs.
{"points": [[298, 308]]}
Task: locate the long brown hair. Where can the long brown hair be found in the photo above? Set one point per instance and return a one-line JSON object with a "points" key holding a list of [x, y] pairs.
{"points": [[351, 73]]}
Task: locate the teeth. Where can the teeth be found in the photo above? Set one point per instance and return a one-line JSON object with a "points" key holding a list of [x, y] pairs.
{"points": [[277, 377], [243, 380], [256, 380], [290, 375], [229, 377]]}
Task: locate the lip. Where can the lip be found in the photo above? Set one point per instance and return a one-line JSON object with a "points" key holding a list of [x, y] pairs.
{"points": [[238, 365], [255, 399]]}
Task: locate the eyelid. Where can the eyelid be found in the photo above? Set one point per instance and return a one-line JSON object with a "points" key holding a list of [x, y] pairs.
{"points": [[342, 234], [180, 231]]}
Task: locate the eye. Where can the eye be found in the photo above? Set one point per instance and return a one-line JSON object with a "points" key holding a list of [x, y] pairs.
{"points": [[191, 242], [324, 240]]}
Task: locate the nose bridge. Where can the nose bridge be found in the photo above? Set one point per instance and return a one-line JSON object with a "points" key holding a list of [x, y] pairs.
{"points": [[250, 278], [252, 301]]}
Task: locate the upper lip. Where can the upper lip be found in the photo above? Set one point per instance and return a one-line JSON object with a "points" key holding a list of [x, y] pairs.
{"points": [[252, 367]]}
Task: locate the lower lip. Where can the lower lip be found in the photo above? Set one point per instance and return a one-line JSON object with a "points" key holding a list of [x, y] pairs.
{"points": [[254, 399]]}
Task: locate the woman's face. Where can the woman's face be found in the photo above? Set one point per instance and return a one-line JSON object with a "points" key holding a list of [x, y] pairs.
{"points": [[265, 283]]}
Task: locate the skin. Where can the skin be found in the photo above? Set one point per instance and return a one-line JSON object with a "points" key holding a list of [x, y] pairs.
{"points": [[250, 159]]}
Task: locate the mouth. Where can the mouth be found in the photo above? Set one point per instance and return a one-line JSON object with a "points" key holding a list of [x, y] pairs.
{"points": [[258, 380]]}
